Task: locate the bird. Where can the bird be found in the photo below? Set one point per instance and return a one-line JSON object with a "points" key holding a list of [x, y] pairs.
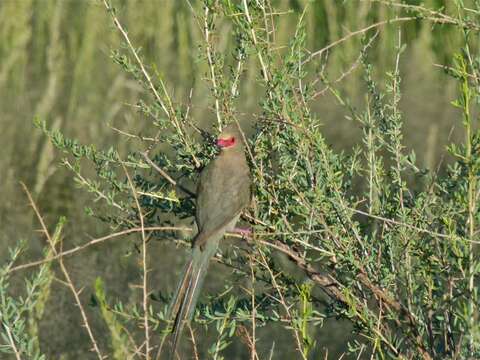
{"points": [[223, 191]]}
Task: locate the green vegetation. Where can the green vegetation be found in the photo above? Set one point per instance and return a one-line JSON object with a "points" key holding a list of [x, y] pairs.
{"points": [[360, 247]]}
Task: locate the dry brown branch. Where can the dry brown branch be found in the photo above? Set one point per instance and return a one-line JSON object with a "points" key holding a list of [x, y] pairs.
{"points": [[169, 111], [348, 72], [242, 331], [84, 181], [423, 13], [160, 348], [12, 342], [94, 242], [429, 14], [144, 266], [194, 344], [244, 335], [120, 28], [253, 348], [355, 33], [334, 289], [75, 292], [166, 176], [409, 226], [282, 301], [211, 66], [255, 42]]}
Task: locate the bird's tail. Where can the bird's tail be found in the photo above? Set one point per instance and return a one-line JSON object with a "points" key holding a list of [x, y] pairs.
{"points": [[183, 304]]}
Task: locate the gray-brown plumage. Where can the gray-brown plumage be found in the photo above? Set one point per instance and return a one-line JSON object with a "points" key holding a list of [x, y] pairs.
{"points": [[223, 191]]}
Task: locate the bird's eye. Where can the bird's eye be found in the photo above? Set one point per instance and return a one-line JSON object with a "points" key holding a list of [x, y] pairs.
{"points": [[230, 141]]}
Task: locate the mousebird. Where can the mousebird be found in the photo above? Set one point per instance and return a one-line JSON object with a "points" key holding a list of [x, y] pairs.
{"points": [[223, 191]]}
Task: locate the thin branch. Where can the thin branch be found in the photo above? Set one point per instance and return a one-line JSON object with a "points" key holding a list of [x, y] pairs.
{"points": [[166, 176], [334, 290], [65, 273], [89, 185], [429, 14], [12, 342], [194, 344], [349, 71], [144, 265], [253, 350], [94, 242], [211, 66], [355, 33], [282, 301], [120, 28], [169, 112], [399, 223], [255, 42]]}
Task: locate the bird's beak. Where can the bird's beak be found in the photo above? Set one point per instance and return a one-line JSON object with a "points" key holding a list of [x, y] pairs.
{"points": [[221, 143]]}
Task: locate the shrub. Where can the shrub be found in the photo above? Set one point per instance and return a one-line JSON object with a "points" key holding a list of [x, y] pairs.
{"points": [[365, 235]]}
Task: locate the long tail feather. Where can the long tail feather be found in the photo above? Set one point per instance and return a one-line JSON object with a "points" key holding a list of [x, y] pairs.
{"points": [[188, 291]]}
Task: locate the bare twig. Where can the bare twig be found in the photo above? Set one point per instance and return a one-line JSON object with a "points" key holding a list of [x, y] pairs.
{"points": [[88, 184], [120, 28], [127, 134], [282, 301], [166, 176], [160, 348], [253, 350], [211, 66], [168, 110], [75, 292], [94, 242], [453, 70], [409, 226], [349, 71], [144, 266], [355, 33], [255, 42], [194, 344], [429, 14], [12, 342], [334, 289]]}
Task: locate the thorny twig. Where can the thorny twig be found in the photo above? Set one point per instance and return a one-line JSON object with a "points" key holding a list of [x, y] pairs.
{"points": [[144, 266], [75, 292]]}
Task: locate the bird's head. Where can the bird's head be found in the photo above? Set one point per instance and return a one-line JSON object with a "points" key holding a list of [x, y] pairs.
{"points": [[230, 138]]}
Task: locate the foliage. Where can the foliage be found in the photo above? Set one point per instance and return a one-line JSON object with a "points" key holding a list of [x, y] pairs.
{"points": [[343, 235]]}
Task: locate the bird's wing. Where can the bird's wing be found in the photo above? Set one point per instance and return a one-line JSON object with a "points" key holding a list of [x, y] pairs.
{"points": [[223, 191]]}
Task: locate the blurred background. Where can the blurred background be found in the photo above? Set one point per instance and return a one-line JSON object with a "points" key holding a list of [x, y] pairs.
{"points": [[55, 64]]}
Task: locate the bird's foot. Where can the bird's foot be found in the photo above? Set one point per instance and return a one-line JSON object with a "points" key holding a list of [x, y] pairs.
{"points": [[245, 232]]}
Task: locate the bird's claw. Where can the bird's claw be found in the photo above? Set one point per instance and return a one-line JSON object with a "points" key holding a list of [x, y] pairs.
{"points": [[245, 232]]}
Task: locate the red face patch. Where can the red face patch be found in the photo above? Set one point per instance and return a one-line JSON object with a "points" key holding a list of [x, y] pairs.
{"points": [[225, 143]]}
